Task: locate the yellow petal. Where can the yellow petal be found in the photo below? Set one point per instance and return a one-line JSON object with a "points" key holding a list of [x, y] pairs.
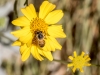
{"points": [[53, 17], [88, 59], [33, 11], [74, 69], [82, 54], [47, 46], [35, 53], [86, 56], [29, 43], [81, 70], [21, 32], [26, 38], [48, 55], [44, 48], [55, 43], [70, 57], [51, 45], [56, 31], [70, 65], [23, 48], [41, 52], [45, 8], [75, 55], [29, 12], [26, 54], [21, 21], [16, 43], [87, 64]]}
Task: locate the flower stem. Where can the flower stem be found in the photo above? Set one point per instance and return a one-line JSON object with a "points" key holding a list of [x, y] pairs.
{"points": [[61, 61], [15, 8], [26, 2], [95, 65]]}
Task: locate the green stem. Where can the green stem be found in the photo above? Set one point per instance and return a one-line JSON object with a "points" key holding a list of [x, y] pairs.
{"points": [[26, 2], [64, 62], [15, 8], [95, 65]]}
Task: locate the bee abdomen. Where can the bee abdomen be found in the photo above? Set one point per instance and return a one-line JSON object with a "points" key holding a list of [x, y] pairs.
{"points": [[42, 43]]}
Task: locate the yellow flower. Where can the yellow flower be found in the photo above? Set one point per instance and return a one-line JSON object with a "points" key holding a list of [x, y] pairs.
{"points": [[78, 62], [38, 31]]}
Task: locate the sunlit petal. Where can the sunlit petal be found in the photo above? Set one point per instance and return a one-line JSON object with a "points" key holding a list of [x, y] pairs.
{"points": [[70, 65], [75, 55], [16, 43], [54, 16], [35, 53], [26, 54], [70, 57], [21, 21], [56, 31], [45, 8], [29, 12]]}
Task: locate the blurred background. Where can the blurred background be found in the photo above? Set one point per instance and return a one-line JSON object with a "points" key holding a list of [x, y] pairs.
{"points": [[81, 23]]}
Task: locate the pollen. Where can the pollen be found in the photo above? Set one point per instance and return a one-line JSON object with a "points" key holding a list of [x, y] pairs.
{"points": [[38, 24]]}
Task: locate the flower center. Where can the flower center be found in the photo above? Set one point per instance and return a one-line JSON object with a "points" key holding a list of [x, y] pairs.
{"points": [[79, 61], [38, 24], [38, 28]]}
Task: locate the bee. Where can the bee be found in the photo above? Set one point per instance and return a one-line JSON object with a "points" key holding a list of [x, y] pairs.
{"points": [[39, 37]]}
